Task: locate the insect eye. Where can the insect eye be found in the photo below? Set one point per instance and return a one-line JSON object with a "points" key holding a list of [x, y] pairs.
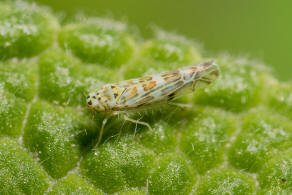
{"points": [[93, 97]]}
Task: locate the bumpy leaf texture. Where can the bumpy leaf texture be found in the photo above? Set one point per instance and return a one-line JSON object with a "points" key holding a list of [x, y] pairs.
{"points": [[236, 140]]}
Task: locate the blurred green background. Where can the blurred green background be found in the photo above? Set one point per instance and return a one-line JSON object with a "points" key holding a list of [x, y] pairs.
{"points": [[261, 29]]}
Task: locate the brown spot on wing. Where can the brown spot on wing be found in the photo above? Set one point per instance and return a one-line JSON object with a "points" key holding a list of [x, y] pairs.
{"points": [[194, 68], [134, 91], [130, 83], [171, 76], [126, 83], [144, 79], [169, 92], [149, 85]]}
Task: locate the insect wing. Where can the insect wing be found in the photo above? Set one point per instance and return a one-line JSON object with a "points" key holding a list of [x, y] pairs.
{"points": [[149, 90], [166, 86], [132, 82]]}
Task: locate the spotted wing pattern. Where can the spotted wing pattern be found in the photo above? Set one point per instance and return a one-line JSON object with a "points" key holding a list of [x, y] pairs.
{"points": [[147, 90]]}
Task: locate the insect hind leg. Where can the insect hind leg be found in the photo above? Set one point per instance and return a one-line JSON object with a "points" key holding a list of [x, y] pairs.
{"points": [[138, 122]]}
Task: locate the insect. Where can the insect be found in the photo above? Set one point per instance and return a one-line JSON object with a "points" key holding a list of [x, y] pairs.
{"points": [[135, 94]]}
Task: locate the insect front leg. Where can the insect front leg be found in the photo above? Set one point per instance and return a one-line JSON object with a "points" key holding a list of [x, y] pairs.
{"points": [[101, 130], [102, 127]]}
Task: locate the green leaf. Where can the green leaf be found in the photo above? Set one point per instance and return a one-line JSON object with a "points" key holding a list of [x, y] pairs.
{"points": [[226, 181], [161, 54], [73, 184], [261, 133], [277, 173], [115, 166], [161, 140], [203, 140], [54, 134], [132, 192], [19, 79], [170, 51], [171, 175], [281, 99], [25, 30], [98, 41], [12, 112], [19, 173]]}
